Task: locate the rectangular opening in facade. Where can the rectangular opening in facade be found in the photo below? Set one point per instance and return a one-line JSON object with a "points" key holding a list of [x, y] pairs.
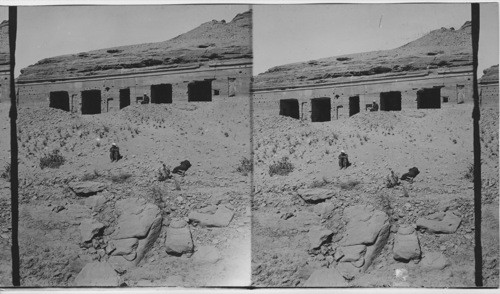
{"points": [[321, 109], [390, 101], [59, 100], [231, 87], [124, 97], [91, 102], [353, 105], [200, 91], [429, 98], [289, 107], [161, 93]]}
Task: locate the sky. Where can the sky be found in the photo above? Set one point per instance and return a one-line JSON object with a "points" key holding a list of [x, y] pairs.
{"points": [[294, 33], [57, 30], [282, 33]]}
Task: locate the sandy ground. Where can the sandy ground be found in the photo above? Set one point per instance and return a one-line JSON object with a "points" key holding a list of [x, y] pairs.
{"points": [[438, 142], [214, 137]]}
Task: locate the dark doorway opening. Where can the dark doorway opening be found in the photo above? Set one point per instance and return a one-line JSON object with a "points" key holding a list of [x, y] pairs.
{"points": [[429, 98], [161, 93], [200, 91], [124, 97], [289, 107], [231, 88], [353, 105], [321, 109], [59, 100], [390, 101], [91, 102]]}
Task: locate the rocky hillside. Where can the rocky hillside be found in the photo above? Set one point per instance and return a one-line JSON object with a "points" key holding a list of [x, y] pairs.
{"points": [[439, 49], [210, 42], [4, 42], [490, 75]]}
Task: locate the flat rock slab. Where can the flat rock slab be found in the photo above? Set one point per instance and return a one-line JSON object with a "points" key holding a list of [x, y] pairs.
{"points": [[326, 278], [352, 253], [135, 219], [449, 224], [85, 189], [434, 261], [364, 230], [178, 241], [123, 246], [120, 264], [147, 243], [221, 218], [97, 274], [89, 228], [318, 236], [374, 250], [95, 202], [206, 255], [348, 270], [317, 195], [406, 247]]}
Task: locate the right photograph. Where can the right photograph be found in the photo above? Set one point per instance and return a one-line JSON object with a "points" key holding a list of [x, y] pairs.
{"points": [[363, 145]]}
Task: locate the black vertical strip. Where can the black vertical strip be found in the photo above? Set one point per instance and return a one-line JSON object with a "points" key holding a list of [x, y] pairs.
{"points": [[14, 180], [477, 150]]}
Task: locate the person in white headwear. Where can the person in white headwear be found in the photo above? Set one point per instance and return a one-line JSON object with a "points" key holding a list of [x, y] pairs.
{"points": [[343, 160], [374, 106], [114, 153], [145, 99]]}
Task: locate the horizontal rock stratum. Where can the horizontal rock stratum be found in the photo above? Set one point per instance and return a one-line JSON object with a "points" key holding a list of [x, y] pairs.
{"points": [[442, 49], [211, 42]]}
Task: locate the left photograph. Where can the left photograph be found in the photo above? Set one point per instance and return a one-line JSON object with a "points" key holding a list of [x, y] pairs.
{"points": [[134, 146]]}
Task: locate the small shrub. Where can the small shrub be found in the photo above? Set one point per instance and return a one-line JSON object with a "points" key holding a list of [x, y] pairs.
{"points": [[349, 185], [282, 168], [6, 173], [52, 160], [163, 173], [156, 197], [469, 174], [120, 178], [245, 167]]}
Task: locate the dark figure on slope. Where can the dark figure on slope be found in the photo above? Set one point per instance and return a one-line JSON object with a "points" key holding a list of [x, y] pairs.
{"points": [[343, 160], [114, 153], [181, 169], [410, 175]]}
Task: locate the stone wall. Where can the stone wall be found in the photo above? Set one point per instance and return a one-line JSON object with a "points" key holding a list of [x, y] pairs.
{"points": [[226, 81], [368, 91]]}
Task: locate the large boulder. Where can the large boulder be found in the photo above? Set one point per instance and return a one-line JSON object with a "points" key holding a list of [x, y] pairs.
{"points": [[95, 202], [85, 189], [178, 241], [221, 218], [374, 250], [318, 236], [206, 255], [123, 246], [435, 224], [97, 274], [406, 246], [317, 195], [89, 228], [363, 225], [135, 219], [326, 278], [147, 243], [434, 261], [352, 253]]}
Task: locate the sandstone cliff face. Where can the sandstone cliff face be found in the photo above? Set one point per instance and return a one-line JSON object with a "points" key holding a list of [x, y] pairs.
{"points": [[440, 49], [211, 42], [4, 42], [490, 75]]}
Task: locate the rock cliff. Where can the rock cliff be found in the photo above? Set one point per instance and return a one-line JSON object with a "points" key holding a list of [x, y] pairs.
{"points": [[440, 49], [211, 42]]}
